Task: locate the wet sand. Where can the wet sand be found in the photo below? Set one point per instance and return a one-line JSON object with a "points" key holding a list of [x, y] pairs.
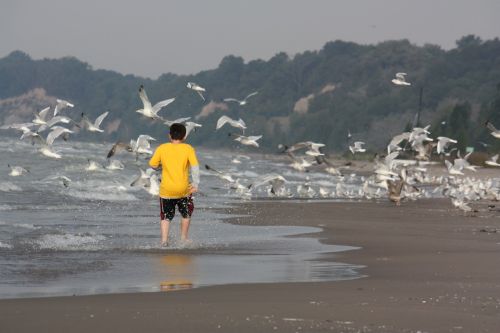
{"points": [[428, 269]]}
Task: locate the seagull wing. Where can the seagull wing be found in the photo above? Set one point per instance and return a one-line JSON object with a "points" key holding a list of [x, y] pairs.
{"points": [[144, 98], [250, 95], [222, 121], [99, 119], [254, 138], [491, 127], [231, 100], [162, 104], [43, 114], [55, 134], [201, 95]]}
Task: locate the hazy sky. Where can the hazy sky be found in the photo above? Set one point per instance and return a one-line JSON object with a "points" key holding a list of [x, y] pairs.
{"points": [[148, 38]]}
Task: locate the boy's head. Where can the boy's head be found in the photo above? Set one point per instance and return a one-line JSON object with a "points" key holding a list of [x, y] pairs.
{"points": [[177, 131]]}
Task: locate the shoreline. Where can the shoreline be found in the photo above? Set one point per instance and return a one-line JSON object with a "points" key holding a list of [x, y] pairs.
{"points": [[428, 267]]}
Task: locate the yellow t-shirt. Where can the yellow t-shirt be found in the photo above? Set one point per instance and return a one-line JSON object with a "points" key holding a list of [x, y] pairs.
{"points": [[175, 159]]}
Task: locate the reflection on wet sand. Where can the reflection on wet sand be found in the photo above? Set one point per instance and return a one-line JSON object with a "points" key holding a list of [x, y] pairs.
{"points": [[179, 270]]}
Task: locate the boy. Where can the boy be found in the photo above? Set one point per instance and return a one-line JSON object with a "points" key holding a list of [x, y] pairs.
{"points": [[175, 190]]}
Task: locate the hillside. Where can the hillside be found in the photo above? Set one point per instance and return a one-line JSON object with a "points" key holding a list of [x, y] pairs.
{"points": [[315, 96]]}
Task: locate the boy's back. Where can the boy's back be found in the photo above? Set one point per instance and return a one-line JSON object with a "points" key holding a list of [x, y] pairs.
{"points": [[175, 160]]}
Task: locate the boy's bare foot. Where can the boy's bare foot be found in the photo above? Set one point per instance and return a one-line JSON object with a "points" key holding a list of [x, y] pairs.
{"points": [[164, 244]]}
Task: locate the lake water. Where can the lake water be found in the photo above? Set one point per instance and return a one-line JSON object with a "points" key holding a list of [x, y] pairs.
{"points": [[100, 235]]}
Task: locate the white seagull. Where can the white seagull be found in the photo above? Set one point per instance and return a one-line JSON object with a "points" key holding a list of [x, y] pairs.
{"points": [[357, 147], [235, 123], [241, 102], [61, 104], [41, 117], [176, 121], [495, 132], [493, 161], [442, 143], [94, 127], [400, 80], [191, 127], [16, 170], [247, 140], [148, 109], [199, 89]]}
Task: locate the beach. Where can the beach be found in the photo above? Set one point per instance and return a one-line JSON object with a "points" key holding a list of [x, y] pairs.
{"points": [[427, 268]]}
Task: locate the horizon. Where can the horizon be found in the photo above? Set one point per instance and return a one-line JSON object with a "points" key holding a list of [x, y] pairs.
{"points": [[246, 61]]}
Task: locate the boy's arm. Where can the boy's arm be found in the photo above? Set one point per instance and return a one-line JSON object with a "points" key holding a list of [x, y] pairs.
{"points": [[195, 175], [155, 160], [195, 169]]}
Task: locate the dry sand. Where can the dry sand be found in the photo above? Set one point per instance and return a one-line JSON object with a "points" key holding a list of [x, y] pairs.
{"points": [[428, 267]]}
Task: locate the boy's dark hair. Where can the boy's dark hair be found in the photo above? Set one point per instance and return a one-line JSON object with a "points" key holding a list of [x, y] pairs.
{"points": [[177, 131]]}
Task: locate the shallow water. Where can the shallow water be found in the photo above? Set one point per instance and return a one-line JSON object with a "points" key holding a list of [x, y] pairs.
{"points": [[99, 235]]}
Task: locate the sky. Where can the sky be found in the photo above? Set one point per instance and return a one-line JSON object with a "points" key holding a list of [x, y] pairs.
{"points": [[149, 38]]}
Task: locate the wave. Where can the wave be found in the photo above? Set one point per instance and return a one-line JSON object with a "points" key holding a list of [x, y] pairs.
{"points": [[9, 187], [69, 242], [5, 246]]}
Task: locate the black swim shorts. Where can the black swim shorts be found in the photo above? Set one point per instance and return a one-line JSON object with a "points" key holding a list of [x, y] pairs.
{"points": [[167, 207]]}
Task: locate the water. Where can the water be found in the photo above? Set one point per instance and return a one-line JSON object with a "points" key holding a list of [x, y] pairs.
{"points": [[99, 235]]}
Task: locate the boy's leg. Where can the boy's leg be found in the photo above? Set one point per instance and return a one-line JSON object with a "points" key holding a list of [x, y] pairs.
{"points": [[165, 224], [167, 212], [186, 207], [185, 228]]}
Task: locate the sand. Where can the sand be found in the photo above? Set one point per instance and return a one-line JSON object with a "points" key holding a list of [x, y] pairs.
{"points": [[428, 269]]}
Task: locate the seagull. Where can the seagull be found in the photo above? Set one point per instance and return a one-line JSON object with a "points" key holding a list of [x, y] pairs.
{"points": [[144, 178], [396, 140], [65, 180], [61, 104], [453, 169], [247, 140], [493, 161], [41, 117], [55, 120], [176, 121], [400, 80], [191, 127], [199, 89], [222, 175], [142, 145], [443, 142], [16, 170], [117, 147], [93, 127], [235, 123], [495, 132], [148, 110], [357, 148], [46, 148], [241, 102], [276, 181]]}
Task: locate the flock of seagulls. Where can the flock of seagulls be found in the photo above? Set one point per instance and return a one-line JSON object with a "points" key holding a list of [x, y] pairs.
{"points": [[398, 179]]}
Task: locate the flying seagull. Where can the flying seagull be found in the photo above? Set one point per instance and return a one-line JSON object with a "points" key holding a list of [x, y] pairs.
{"points": [[61, 104], [246, 140], [400, 80], [148, 110], [199, 89], [94, 127], [357, 147], [241, 102], [235, 123], [495, 132]]}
